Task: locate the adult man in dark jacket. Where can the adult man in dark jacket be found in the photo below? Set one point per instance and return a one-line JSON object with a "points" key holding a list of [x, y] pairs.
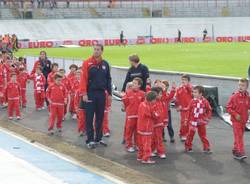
{"points": [[136, 70]]}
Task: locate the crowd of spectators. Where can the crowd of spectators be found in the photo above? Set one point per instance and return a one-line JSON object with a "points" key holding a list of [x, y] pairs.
{"points": [[8, 43]]}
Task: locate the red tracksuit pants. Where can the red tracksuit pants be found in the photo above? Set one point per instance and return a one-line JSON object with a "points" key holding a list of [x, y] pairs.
{"points": [[71, 104], [105, 126], [184, 124], [23, 96], [131, 132], [81, 120], [14, 105], [39, 99], [238, 131], [56, 113], [144, 145], [157, 142], [202, 132], [2, 99]]}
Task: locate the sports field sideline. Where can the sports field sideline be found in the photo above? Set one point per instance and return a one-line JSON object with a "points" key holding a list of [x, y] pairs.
{"points": [[225, 59]]}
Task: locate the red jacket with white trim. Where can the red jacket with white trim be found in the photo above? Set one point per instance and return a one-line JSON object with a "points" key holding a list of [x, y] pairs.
{"points": [[12, 91], [131, 102], [57, 94], [146, 118], [239, 103], [184, 96]]}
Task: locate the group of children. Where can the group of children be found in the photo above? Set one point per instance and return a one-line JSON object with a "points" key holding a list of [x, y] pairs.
{"points": [[60, 91], [147, 114]]}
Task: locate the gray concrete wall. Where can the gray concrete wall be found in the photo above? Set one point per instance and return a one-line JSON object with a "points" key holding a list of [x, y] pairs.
{"points": [[62, 29], [226, 86]]}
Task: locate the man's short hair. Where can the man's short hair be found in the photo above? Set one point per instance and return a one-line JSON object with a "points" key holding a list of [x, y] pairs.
{"points": [[150, 96], [134, 58], [200, 89], [99, 45], [244, 80], [139, 80], [185, 76]]}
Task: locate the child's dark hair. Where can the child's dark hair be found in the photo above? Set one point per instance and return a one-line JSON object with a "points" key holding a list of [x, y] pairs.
{"points": [[58, 75], [157, 90], [166, 83], [139, 80], [150, 96], [73, 66], [244, 80], [157, 80], [200, 89], [54, 64], [62, 70], [134, 58], [185, 76]]}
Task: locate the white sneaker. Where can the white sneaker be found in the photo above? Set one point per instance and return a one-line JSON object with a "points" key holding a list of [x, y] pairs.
{"points": [[74, 116], [43, 108], [131, 150], [18, 117], [10, 118], [39, 109], [183, 139], [106, 134], [163, 156], [153, 154]]}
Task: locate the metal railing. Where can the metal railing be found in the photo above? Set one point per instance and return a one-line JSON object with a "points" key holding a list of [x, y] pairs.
{"points": [[120, 3]]}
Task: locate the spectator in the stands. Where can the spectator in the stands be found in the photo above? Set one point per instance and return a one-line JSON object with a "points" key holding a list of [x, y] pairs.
{"points": [[68, 3]]}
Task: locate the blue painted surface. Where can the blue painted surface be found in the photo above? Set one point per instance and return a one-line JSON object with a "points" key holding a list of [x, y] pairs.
{"points": [[52, 164]]}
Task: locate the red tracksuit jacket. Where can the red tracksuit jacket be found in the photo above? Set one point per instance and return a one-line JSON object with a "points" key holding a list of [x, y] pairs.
{"points": [[184, 96], [57, 94], [239, 103], [66, 83], [51, 78], [71, 76], [146, 118], [22, 79], [200, 111], [13, 91], [159, 107], [131, 101], [39, 82], [74, 85], [166, 99]]}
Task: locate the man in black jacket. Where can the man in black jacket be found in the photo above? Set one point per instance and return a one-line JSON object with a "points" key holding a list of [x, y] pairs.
{"points": [[136, 70]]}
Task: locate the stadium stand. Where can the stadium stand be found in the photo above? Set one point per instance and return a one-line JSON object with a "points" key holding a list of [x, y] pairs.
{"points": [[42, 9]]}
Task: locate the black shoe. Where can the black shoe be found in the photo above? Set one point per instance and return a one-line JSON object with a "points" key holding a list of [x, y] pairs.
{"points": [[123, 141], [172, 140], [165, 140], [101, 142], [91, 145]]}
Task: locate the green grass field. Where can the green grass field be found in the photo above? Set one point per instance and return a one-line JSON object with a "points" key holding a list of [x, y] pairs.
{"points": [[226, 59]]}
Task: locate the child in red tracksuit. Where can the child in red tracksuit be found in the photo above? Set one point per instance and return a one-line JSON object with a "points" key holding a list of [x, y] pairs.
{"points": [[238, 107], [146, 116], [2, 100], [39, 88], [105, 128], [128, 87], [66, 83], [200, 113], [80, 114], [72, 74], [22, 79], [57, 97], [183, 98], [13, 93], [131, 101], [157, 142], [51, 75], [74, 83]]}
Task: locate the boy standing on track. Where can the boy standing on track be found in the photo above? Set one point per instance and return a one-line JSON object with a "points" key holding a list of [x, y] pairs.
{"points": [[131, 101], [57, 97], [22, 79], [12, 93], [200, 113], [183, 98], [146, 117], [238, 107]]}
